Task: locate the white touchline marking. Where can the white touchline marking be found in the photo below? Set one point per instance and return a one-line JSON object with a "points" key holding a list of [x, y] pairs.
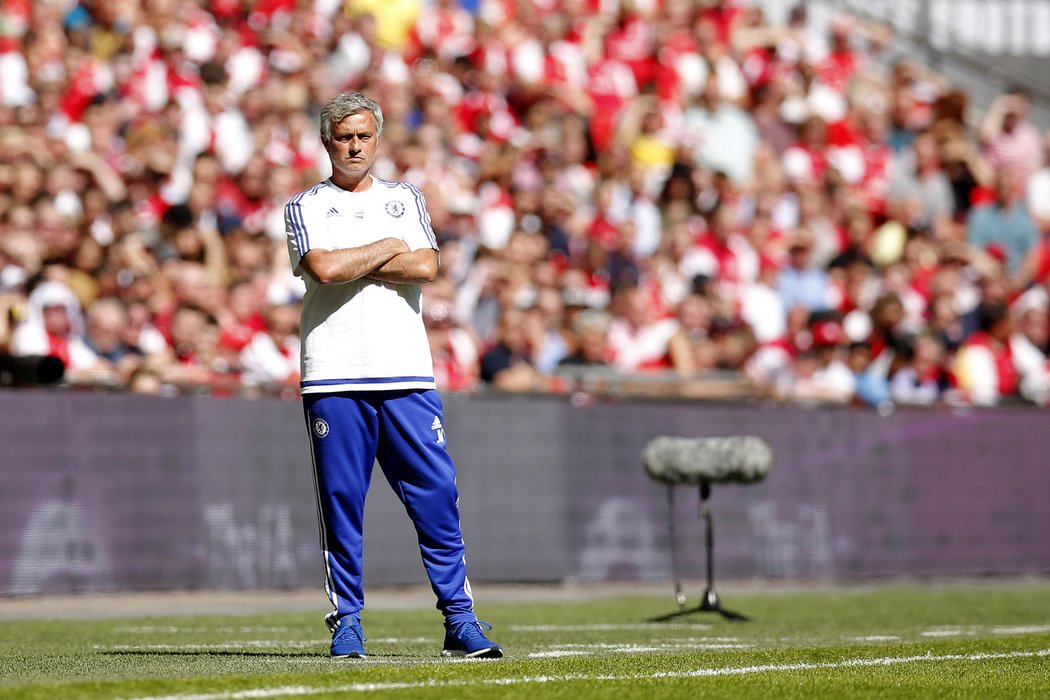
{"points": [[405, 640], [604, 628], [655, 645], [850, 663], [554, 654], [876, 638], [593, 649], [698, 673]]}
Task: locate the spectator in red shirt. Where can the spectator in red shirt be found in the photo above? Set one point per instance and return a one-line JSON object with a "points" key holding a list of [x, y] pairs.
{"points": [[639, 341], [984, 366]]}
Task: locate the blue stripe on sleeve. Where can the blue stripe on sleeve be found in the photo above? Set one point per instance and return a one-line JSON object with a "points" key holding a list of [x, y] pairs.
{"points": [[294, 212], [297, 221], [304, 235], [424, 215]]}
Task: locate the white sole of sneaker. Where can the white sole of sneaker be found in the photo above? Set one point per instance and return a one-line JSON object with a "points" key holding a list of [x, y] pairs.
{"points": [[489, 653]]}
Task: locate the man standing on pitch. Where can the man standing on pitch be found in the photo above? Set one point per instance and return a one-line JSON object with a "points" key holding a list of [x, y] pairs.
{"points": [[363, 246]]}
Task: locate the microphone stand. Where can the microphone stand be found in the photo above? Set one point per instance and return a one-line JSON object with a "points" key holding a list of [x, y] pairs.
{"points": [[710, 602]]}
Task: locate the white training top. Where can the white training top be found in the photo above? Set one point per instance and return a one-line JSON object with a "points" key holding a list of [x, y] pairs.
{"points": [[362, 335]]}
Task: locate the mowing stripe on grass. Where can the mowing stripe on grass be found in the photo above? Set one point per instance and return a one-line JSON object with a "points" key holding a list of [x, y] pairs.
{"points": [[294, 690]]}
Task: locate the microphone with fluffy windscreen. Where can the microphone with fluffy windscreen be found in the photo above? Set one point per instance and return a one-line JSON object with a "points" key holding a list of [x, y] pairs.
{"points": [[741, 459]]}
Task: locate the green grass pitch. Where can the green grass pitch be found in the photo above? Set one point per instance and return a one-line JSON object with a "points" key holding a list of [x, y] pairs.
{"points": [[916, 641]]}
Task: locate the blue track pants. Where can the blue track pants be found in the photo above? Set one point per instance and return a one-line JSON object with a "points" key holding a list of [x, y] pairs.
{"points": [[404, 431]]}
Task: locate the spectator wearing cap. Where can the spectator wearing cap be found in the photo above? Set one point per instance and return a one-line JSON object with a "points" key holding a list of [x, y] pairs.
{"points": [[801, 283], [1005, 224], [818, 373]]}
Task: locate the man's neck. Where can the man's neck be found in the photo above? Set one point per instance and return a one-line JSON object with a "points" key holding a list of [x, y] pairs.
{"points": [[353, 184]]}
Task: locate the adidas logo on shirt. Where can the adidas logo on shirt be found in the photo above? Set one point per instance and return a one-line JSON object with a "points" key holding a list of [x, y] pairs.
{"points": [[332, 212]]}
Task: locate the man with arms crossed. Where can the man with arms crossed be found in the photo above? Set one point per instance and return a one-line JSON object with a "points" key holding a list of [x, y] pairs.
{"points": [[363, 246]]}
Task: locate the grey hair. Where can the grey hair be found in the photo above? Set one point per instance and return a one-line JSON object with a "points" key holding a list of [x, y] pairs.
{"points": [[591, 319], [342, 106]]}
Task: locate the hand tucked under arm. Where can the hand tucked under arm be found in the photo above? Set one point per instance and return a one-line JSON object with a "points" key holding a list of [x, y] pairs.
{"points": [[348, 264], [414, 267]]}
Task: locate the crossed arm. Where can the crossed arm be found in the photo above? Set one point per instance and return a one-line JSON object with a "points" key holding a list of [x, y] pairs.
{"points": [[386, 260]]}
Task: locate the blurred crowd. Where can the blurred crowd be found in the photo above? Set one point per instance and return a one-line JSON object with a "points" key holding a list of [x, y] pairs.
{"points": [[656, 196]]}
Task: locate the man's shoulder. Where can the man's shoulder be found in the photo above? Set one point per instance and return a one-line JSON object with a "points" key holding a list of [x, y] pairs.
{"points": [[981, 214], [310, 194], [398, 187]]}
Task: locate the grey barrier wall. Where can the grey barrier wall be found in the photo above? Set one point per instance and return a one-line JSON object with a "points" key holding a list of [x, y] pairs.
{"points": [[122, 492]]}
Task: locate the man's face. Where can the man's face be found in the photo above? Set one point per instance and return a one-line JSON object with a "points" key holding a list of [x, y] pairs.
{"points": [[56, 320], [353, 145], [104, 330]]}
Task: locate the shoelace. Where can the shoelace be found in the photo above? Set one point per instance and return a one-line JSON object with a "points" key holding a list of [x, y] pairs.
{"points": [[471, 629], [355, 630]]}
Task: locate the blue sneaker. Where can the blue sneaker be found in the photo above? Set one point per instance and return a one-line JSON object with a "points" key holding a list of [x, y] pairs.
{"points": [[349, 639], [468, 639]]}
